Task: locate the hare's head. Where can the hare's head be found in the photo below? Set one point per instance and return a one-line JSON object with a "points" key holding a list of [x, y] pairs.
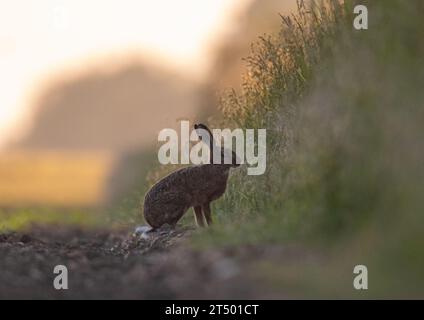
{"points": [[201, 126], [225, 153]]}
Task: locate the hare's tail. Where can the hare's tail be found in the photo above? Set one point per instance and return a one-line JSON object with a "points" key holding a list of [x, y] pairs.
{"points": [[143, 231]]}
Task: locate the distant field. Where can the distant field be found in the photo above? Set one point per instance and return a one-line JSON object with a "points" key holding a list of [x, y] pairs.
{"points": [[67, 179]]}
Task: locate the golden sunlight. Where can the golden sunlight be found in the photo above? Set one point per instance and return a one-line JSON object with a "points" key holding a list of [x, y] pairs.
{"points": [[41, 39]]}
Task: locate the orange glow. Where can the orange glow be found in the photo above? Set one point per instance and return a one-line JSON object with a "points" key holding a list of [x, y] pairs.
{"points": [[57, 178]]}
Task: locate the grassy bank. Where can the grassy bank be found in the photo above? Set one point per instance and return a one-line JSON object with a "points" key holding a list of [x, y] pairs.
{"points": [[344, 117]]}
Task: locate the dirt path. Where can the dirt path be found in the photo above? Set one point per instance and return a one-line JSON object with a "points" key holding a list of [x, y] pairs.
{"points": [[120, 266]]}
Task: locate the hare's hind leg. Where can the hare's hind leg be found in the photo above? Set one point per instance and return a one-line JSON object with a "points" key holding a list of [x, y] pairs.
{"points": [[207, 212], [199, 216]]}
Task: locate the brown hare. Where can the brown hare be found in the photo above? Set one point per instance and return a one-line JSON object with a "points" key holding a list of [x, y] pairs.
{"points": [[196, 186]]}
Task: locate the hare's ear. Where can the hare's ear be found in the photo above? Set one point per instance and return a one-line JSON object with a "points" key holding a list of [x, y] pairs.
{"points": [[201, 126]]}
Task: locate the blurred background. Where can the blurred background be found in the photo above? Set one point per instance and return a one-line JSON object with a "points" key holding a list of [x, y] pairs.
{"points": [[86, 87]]}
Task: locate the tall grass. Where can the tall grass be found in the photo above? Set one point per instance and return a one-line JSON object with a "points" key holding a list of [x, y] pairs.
{"points": [[344, 115], [343, 112], [280, 72]]}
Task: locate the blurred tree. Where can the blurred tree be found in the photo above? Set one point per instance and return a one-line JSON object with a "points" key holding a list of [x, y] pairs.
{"points": [[117, 112]]}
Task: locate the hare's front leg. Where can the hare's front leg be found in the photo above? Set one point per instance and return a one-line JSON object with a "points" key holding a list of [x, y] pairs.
{"points": [[207, 212], [199, 216]]}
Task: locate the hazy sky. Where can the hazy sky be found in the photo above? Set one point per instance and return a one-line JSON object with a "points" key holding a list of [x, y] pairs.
{"points": [[44, 38]]}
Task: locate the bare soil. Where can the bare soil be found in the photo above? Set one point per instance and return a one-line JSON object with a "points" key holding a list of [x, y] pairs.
{"points": [[121, 265]]}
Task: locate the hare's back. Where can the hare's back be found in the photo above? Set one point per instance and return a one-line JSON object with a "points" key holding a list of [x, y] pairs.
{"points": [[175, 183], [189, 184]]}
